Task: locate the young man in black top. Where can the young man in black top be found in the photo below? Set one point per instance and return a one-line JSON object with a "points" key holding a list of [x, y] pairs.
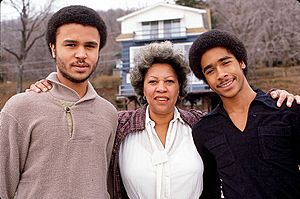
{"points": [[249, 146]]}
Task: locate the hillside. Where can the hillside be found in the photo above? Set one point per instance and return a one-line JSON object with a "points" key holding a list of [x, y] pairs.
{"points": [[264, 78], [278, 77]]}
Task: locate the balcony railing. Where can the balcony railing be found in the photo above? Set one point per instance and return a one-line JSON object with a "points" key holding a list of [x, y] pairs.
{"points": [[159, 34]]}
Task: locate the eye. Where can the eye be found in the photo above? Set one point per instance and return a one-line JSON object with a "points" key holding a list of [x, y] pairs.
{"points": [[226, 63], [90, 46], [152, 82], [170, 81], [70, 45], [209, 71]]}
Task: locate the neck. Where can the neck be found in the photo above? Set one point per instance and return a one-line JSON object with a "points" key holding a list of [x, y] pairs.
{"points": [[79, 88], [240, 102], [161, 119]]}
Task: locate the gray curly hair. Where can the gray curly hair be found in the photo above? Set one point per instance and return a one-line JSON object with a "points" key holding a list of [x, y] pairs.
{"points": [[163, 52]]}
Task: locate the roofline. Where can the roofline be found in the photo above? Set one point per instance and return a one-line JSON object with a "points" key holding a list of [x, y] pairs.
{"points": [[161, 4]]}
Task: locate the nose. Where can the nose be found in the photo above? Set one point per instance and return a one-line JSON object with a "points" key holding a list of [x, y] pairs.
{"points": [[221, 73], [81, 53], [161, 87]]}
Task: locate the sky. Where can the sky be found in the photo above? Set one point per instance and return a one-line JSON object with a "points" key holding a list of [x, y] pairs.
{"points": [[7, 12]]}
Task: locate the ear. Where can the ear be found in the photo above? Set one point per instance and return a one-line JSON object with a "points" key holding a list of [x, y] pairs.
{"points": [[243, 65], [52, 47]]}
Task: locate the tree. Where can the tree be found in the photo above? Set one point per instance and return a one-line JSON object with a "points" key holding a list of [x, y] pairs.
{"points": [[270, 29], [192, 3], [29, 31]]}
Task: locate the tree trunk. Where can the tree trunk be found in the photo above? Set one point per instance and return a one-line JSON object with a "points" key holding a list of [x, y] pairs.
{"points": [[20, 79]]}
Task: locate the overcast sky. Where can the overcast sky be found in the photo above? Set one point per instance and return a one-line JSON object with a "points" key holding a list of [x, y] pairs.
{"points": [[7, 12]]}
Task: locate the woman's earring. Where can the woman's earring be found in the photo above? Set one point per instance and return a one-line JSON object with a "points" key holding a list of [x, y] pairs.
{"points": [[144, 98]]}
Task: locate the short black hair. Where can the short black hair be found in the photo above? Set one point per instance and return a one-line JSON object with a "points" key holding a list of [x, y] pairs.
{"points": [[75, 14], [212, 39]]}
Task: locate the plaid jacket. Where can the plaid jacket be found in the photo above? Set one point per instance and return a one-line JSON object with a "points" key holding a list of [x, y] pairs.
{"points": [[133, 122]]}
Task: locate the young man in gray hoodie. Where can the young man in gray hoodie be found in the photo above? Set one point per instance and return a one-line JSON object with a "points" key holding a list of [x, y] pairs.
{"points": [[58, 144]]}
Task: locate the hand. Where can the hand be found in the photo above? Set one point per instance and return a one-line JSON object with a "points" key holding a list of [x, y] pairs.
{"points": [[42, 85], [283, 95]]}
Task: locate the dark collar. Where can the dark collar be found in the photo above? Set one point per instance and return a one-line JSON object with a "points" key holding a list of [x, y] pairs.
{"points": [[261, 97]]}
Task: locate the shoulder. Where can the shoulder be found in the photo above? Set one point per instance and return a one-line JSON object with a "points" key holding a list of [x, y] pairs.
{"points": [[133, 120], [125, 115], [293, 110], [24, 106], [208, 121], [21, 102], [124, 118], [132, 115], [191, 116], [105, 105], [191, 113], [271, 103]]}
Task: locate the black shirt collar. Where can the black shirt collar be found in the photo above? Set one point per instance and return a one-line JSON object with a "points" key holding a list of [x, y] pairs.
{"points": [[261, 97]]}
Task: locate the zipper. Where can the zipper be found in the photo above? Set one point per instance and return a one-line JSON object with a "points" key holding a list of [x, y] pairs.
{"points": [[69, 120]]}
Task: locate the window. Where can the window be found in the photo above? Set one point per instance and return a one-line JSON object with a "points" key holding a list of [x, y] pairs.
{"points": [[171, 28], [150, 30]]}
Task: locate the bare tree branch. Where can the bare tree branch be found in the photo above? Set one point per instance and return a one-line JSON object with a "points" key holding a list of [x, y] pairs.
{"points": [[11, 52], [270, 29], [33, 41], [31, 24]]}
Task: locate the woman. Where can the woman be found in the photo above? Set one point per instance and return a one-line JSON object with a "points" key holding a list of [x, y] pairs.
{"points": [[154, 155]]}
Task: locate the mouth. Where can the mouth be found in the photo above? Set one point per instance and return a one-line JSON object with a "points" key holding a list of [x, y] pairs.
{"points": [[226, 83], [161, 98], [81, 67]]}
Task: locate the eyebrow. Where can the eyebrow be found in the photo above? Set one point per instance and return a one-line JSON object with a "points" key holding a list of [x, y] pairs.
{"points": [[169, 76], [205, 68], [69, 41], [86, 43], [92, 43], [224, 58]]}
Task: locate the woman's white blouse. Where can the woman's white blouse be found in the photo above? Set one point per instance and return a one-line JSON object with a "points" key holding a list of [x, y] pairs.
{"points": [[151, 171]]}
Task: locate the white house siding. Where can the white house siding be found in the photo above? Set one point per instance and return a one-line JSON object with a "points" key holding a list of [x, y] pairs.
{"points": [[189, 19]]}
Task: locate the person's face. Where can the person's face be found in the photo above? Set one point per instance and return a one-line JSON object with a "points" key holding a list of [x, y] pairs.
{"points": [[161, 89], [76, 52], [223, 72]]}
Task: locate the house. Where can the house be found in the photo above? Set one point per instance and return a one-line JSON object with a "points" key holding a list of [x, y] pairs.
{"points": [[160, 22]]}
